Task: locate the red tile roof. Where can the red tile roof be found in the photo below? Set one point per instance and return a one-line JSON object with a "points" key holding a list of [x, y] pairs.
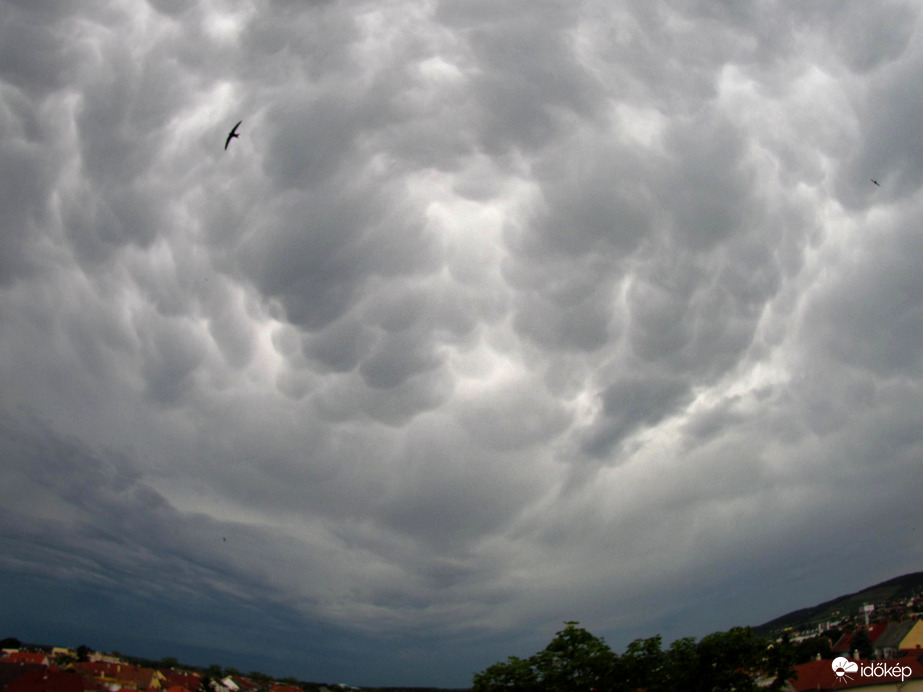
{"points": [[844, 643], [11, 671], [52, 681], [286, 688], [97, 669], [179, 688], [877, 630], [37, 658], [126, 675], [191, 681]]}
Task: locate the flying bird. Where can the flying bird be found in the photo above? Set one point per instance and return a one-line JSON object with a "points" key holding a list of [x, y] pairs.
{"points": [[876, 182], [231, 135]]}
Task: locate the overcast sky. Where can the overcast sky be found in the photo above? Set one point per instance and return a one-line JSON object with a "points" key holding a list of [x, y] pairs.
{"points": [[495, 315]]}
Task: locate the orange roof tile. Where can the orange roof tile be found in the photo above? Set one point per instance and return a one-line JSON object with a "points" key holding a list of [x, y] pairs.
{"points": [[35, 658], [52, 681]]}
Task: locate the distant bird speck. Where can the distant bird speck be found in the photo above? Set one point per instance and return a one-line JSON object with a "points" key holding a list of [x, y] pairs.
{"points": [[873, 180], [231, 135]]}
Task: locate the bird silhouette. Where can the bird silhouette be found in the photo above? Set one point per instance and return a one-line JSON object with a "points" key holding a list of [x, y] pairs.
{"points": [[876, 182], [231, 135]]}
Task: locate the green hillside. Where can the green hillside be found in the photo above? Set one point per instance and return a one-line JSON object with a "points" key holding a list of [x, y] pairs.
{"points": [[896, 589]]}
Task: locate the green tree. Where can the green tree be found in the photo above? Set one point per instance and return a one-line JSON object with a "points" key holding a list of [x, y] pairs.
{"points": [[781, 657], [681, 664], [862, 643], [63, 660], [259, 677], [730, 661], [515, 674], [833, 634], [643, 665], [574, 661], [577, 661], [810, 649]]}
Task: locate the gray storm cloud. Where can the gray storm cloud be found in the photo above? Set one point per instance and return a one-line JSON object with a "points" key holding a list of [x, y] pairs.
{"points": [[493, 316]]}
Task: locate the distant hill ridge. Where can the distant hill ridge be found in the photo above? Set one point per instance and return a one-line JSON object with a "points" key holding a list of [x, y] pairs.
{"points": [[898, 588]]}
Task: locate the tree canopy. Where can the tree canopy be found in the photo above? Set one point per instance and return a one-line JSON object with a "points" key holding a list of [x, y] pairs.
{"points": [[577, 661]]}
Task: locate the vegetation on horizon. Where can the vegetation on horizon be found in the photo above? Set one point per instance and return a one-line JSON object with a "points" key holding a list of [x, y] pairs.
{"points": [[578, 661]]}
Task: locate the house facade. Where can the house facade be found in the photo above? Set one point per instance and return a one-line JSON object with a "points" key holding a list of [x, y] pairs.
{"points": [[914, 639]]}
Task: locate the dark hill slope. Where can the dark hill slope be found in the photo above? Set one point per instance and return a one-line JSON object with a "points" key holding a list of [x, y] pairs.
{"points": [[892, 590]]}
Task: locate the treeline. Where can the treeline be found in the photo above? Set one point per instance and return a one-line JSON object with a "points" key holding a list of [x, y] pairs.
{"points": [[578, 661]]}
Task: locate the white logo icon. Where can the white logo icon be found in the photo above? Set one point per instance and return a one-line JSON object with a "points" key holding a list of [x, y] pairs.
{"points": [[842, 666]]}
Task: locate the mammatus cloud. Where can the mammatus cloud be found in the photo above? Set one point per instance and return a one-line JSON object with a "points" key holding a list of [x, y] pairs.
{"points": [[492, 317]]}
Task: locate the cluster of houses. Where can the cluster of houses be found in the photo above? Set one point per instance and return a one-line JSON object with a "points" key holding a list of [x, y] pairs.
{"points": [[885, 639], [888, 640], [881, 656], [58, 670]]}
